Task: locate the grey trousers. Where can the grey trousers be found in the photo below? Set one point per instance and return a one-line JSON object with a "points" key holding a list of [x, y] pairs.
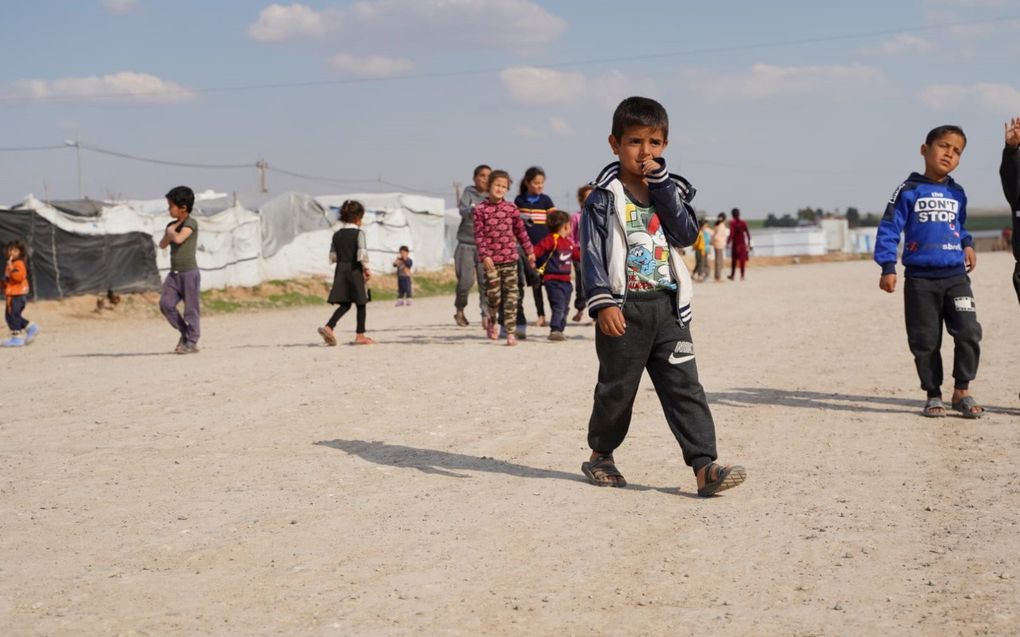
{"points": [[469, 272], [182, 286], [656, 342]]}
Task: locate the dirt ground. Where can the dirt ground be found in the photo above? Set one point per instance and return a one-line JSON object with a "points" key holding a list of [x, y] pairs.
{"points": [[430, 484]]}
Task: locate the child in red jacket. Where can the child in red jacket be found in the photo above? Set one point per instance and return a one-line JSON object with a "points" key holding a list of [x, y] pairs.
{"points": [[16, 291], [560, 252]]}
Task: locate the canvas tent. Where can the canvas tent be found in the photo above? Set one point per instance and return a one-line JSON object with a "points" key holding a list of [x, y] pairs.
{"points": [[86, 247], [396, 219], [81, 248]]}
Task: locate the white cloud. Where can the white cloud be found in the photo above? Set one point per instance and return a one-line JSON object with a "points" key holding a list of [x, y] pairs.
{"points": [[903, 43], [560, 127], [120, 6], [370, 65], [999, 98], [520, 25], [123, 87], [539, 86], [763, 81], [553, 127], [277, 23]]}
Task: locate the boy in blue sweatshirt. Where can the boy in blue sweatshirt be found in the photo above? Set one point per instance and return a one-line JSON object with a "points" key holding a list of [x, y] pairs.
{"points": [[938, 253]]}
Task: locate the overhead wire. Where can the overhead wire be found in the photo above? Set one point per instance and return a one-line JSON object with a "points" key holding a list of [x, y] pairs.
{"points": [[491, 70]]}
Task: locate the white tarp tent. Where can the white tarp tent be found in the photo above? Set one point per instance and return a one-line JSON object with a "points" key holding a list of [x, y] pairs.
{"points": [[396, 219], [229, 241]]}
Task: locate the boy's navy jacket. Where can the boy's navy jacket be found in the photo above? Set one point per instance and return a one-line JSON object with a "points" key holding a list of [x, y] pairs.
{"points": [[931, 216], [1009, 171], [604, 236]]}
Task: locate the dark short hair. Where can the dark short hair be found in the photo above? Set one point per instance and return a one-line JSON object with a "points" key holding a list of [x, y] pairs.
{"points": [[499, 174], [182, 197], [20, 245], [530, 175], [404, 249], [479, 168], [351, 211], [720, 217], [640, 111], [735, 213], [941, 131], [556, 219]]}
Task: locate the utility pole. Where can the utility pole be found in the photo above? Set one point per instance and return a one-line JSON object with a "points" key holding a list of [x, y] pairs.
{"points": [[456, 192], [77, 154], [262, 166]]}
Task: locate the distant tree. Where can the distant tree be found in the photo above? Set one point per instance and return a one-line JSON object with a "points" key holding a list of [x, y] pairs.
{"points": [[771, 221], [806, 214], [787, 222], [853, 217], [870, 220]]}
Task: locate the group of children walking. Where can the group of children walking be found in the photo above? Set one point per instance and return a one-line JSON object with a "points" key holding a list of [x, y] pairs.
{"points": [[635, 219]]}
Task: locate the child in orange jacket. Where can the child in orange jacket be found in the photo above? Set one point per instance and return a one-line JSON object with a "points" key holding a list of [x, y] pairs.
{"points": [[16, 291]]}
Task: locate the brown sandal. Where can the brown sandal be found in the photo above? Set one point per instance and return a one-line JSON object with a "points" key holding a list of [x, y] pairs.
{"points": [[602, 472], [725, 478]]}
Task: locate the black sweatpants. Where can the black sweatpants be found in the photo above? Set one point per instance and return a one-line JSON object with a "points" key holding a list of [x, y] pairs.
{"points": [[656, 342], [1016, 280], [928, 303]]}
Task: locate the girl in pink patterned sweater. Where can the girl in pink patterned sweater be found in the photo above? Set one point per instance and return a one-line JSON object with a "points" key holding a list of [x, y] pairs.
{"points": [[498, 230]]}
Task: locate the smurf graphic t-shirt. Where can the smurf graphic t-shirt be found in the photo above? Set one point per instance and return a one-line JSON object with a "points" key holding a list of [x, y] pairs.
{"points": [[647, 250]]}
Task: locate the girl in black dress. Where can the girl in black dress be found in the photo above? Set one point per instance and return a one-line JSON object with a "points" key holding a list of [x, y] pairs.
{"points": [[350, 254]]}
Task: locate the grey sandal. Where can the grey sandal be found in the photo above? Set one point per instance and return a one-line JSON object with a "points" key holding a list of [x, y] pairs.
{"points": [[934, 403], [967, 407]]}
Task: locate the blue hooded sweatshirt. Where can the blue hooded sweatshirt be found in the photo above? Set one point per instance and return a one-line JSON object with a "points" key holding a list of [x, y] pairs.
{"points": [[930, 214]]}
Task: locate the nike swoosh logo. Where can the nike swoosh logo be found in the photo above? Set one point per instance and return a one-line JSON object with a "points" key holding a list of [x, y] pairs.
{"points": [[676, 360]]}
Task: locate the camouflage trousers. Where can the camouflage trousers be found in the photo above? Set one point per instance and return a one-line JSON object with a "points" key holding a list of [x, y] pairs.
{"points": [[501, 288]]}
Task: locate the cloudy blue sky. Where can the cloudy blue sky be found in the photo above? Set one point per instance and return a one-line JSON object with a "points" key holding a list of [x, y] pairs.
{"points": [[773, 105]]}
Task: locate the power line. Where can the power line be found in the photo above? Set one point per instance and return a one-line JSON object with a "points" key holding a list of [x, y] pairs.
{"points": [[492, 70], [16, 149], [257, 164], [163, 162]]}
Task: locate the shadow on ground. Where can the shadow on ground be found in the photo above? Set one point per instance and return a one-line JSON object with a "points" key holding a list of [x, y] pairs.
{"points": [[751, 396], [453, 465]]}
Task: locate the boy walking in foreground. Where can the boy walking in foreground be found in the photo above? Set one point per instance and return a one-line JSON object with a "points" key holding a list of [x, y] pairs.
{"points": [[930, 211], [639, 291], [183, 282]]}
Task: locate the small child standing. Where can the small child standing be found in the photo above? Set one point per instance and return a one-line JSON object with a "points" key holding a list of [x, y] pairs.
{"points": [[403, 264], [930, 210], [184, 281], [349, 251], [639, 291], [498, 230], [575, 234], [16, 289], [559, 251]]}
